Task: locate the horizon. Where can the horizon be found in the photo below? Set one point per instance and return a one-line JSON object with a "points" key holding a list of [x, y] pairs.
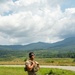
{"points": [[38, 42], [28, 21]]}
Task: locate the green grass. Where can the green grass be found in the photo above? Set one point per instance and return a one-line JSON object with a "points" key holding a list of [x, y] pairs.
{"points": [[43, 61], [42, 71], [45, 71], [12, 71], [57, 61]]}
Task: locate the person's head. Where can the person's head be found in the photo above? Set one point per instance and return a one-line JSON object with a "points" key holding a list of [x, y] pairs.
{"points": [[31, 55]]}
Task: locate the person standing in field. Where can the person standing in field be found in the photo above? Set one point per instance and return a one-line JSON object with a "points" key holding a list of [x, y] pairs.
{"points": [[31, 66]]}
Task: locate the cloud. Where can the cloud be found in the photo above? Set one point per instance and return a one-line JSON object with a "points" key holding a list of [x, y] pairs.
{"points": [[3, 1], [65, 27], [5, 6], [35, 20]]}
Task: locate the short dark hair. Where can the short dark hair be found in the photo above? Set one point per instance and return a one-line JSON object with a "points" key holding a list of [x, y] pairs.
{"points": [[31, 54]]}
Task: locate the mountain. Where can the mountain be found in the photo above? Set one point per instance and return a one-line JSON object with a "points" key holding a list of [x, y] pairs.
{"points": [[32, 46], [36, 46], [66, 43], [61, 49]]}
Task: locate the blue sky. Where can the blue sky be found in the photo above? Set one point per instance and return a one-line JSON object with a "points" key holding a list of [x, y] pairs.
{"points": [[28, 21], [15, 0], [68, 4]]}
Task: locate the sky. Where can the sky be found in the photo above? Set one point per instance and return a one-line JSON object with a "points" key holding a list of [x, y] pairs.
{"points": [[28, 21]]}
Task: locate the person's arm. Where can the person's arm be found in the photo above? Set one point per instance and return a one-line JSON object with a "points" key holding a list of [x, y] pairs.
{"points": [[30, 67]]}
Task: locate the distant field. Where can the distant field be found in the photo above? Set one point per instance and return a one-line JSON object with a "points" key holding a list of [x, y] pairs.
{"points": [[42, 71], [43, 61], [57, 61]]}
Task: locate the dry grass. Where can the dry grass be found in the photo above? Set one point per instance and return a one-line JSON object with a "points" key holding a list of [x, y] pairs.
{"points": [[43, 61]]}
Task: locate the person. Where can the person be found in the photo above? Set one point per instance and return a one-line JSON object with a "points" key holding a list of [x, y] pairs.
{"points": [[31, 66]]}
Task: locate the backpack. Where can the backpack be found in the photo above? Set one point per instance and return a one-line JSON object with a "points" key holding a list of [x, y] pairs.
{"points": [[25, 68]]}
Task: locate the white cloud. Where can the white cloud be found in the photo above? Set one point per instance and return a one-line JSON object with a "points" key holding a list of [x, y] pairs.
{"points": [[26, 2], [35, 20], [5, 6]]}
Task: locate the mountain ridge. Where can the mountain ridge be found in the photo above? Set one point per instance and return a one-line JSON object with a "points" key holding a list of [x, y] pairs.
{"points": [[41, 45]]}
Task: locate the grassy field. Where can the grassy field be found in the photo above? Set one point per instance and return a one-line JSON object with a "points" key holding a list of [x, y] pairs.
{"points": [[43, 61], [57, 61], [42, 71]]}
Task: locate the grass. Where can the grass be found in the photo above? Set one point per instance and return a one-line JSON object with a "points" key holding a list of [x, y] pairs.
{"points": [[42, 71], [45, 71], [43, 61], [57, 61], [11, 71]]}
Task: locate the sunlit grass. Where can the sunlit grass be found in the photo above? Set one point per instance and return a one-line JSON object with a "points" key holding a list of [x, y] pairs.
{"points": [[42, 71], [43, 61]]}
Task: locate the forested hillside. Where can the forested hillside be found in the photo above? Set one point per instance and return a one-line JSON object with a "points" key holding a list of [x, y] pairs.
{"points": [[62, 49]]}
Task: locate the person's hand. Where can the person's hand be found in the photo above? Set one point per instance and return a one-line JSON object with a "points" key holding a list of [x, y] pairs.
{"points": [[33, 63]]}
